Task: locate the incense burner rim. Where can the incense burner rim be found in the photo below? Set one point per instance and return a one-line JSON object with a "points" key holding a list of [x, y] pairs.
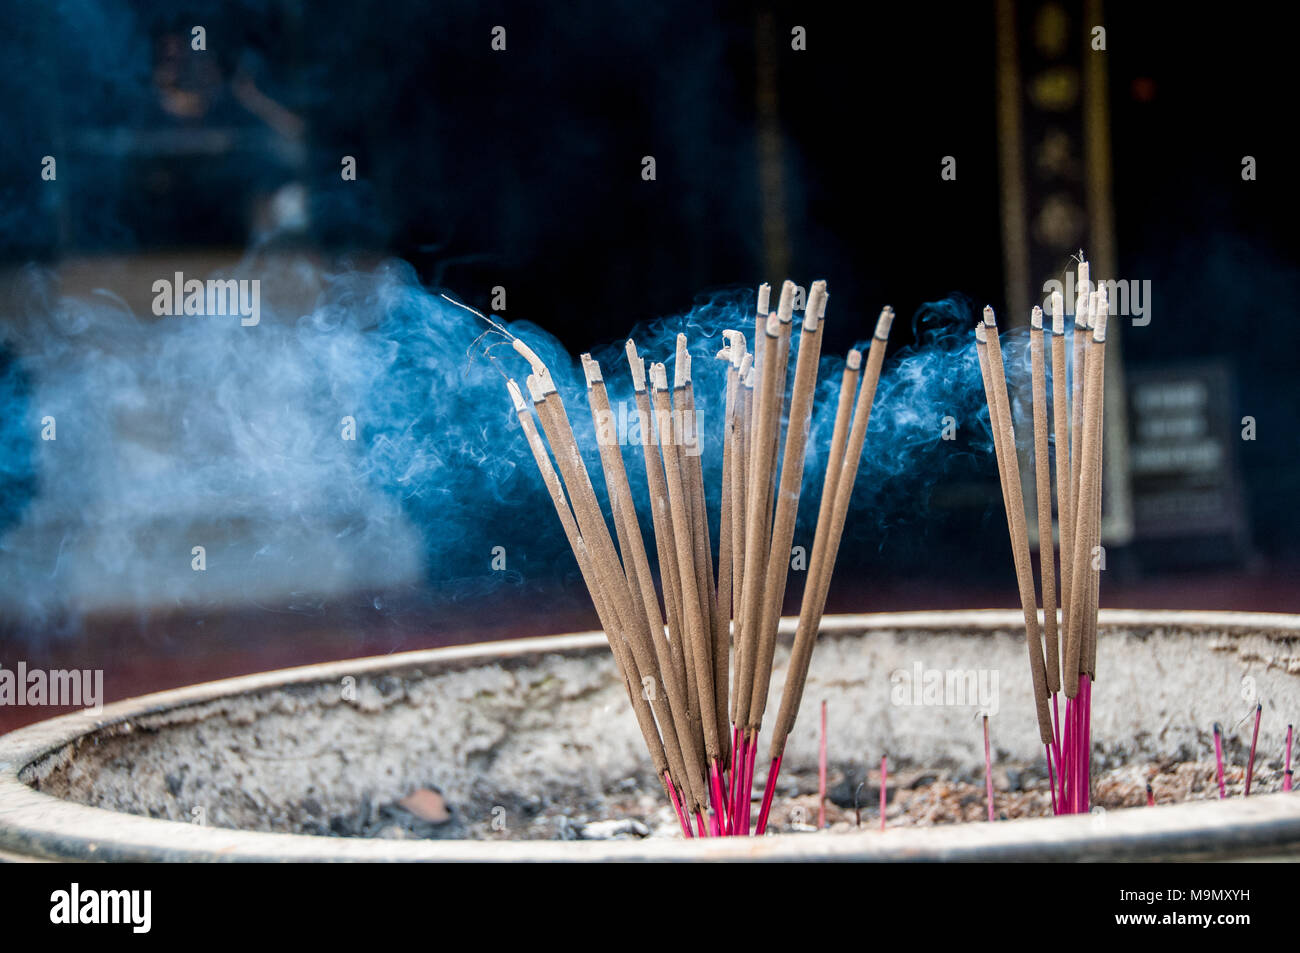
{"points": [[35, 825]]}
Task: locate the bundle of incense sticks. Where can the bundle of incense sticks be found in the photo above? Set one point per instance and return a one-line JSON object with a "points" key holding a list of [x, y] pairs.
{"points": [[1074, 428], [696, 654]]}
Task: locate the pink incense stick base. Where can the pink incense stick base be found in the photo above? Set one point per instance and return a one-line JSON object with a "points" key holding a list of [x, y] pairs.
{"points": [[699, 823], [739, 789], [677, 806], [1051, 779], [720, 825], [751, 759], [768, 791]]}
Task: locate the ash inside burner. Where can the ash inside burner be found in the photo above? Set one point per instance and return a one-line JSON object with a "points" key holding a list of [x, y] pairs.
{"points": [[543, 746]]}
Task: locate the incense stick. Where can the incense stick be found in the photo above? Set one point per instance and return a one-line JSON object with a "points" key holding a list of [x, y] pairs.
{"points": [[986, 336], [841, 474], [1254, 739], [1218, 759], [677, 659], [988, 769], [1043, 503]]}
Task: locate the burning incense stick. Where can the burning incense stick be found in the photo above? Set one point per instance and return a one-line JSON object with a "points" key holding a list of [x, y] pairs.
{"points": [[792, 464], [986, 337], [841, 473], [1151, 797], [1071, 646], [1043, 488], [679, 659]]}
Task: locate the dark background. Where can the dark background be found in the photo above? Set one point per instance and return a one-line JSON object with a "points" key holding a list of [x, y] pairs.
{"points": [[522, 169]]}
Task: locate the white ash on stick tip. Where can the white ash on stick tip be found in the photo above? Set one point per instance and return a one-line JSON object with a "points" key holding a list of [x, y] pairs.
{"points": [[591, 368], [816, 305], [854, 359], [682, 365], [764, 297], [884, 323], [1036, 318], [637, 364], [981, 334], [746, 367], [785, 309], [989, 319], [538, 389], [516, 395], [658, 377], [1058, 313], [737, 345], [1101, 314]]}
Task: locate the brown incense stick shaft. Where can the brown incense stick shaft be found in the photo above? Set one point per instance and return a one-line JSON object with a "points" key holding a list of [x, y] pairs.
{"points": [[1089, 485], [726, 561], [771, 379], [677, 734], [679, 505], [1061, 436], [617, 642], [1043, 494], [740, 496], [595, 533], [693, 477], [826, 540], [664, 543], [1088, 663], [787, 506], [1079, 375], [1000, 410]]}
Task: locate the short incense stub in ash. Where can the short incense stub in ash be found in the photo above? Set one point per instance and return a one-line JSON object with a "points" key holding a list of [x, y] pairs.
{"points": [[705, 636]]}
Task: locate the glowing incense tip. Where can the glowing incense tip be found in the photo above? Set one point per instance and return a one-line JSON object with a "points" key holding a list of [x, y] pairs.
{"points": [[591, 369], [658, 377], [764, 297], [516, 395], [637, 364], [1036, 318], [884, 323], [1058, 313], [785, 309], [854, 359], [989, 319]]}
